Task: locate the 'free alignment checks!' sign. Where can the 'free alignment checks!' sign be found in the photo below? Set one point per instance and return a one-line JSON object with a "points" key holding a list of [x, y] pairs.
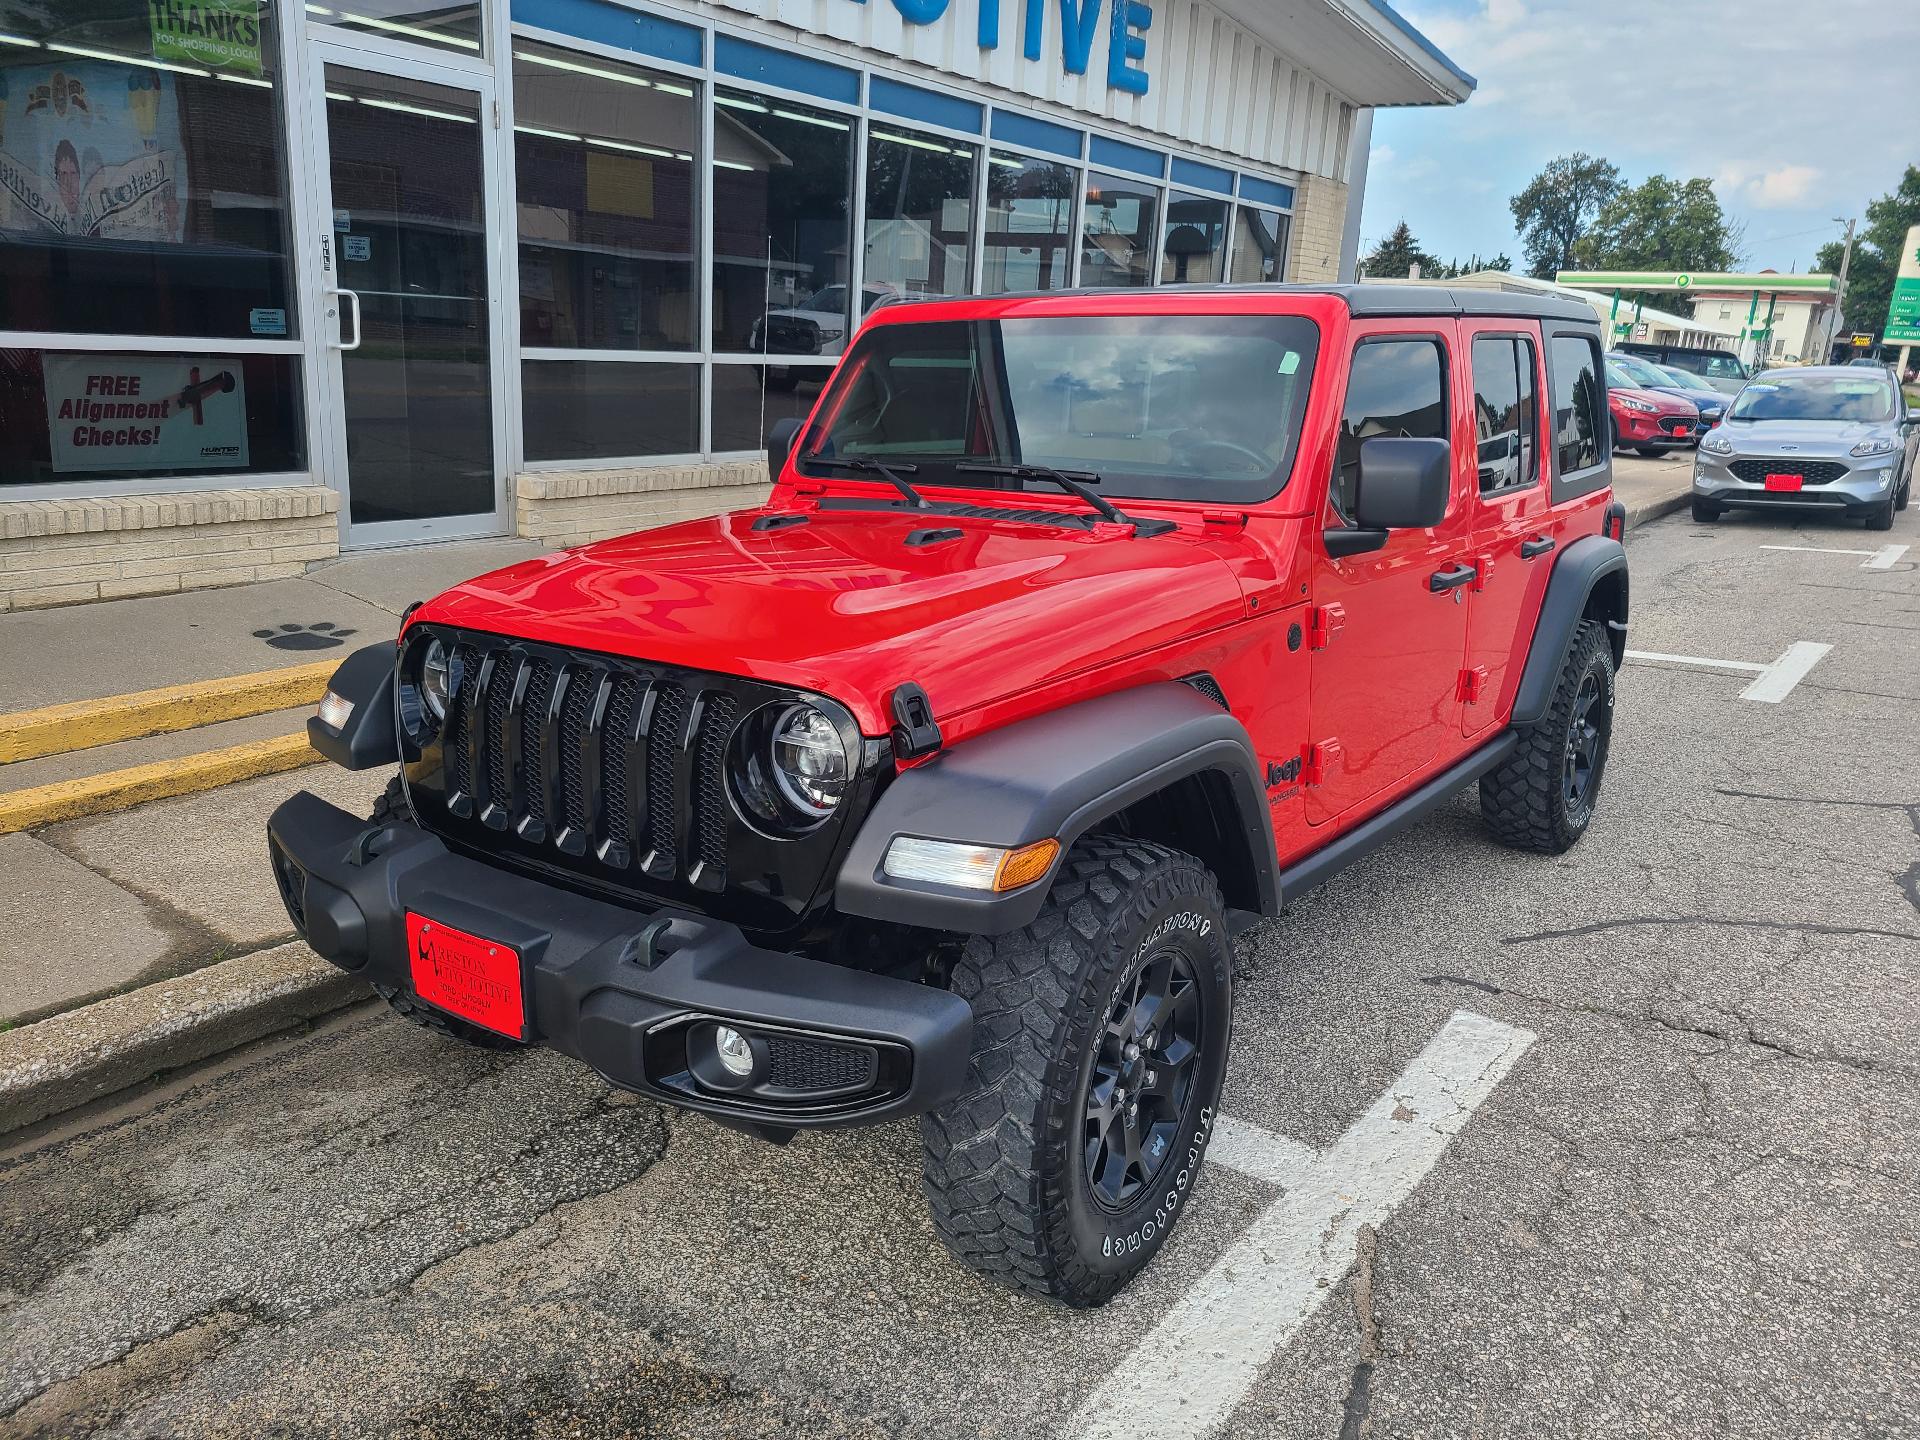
{"points": [[1903, 316]]}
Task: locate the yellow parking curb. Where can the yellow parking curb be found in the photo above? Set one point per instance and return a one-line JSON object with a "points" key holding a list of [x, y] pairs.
{"points": [[118, 789], [57, 729]]}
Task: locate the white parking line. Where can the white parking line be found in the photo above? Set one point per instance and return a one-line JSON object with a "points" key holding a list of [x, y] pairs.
{"points": [[1195, 1365], [1776, 682], [1882, 559], [1771, 684]]}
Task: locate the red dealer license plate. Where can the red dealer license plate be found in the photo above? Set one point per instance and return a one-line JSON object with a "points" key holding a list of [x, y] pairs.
{"points": [[467, 975], [1785, 482], [1683, 429]]}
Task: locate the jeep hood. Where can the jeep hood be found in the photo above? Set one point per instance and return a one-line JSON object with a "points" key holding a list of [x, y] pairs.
{"points": [[841, 603]]}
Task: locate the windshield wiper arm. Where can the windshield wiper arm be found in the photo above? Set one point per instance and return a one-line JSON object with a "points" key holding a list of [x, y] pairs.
{"points": [[888, 473], [1108, 510]]}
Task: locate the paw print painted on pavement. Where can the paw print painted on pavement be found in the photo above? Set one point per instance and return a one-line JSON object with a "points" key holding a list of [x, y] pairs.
{"points": [[322, 635]]}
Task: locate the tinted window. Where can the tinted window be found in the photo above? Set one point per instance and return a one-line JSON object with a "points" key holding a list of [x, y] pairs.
{"points": [[919, 213], [1029, 215], [1196, 231], [1499, 418], [1186, 407], [1579, 406], [1259, 247], [1396, 388], [1116, 232]]}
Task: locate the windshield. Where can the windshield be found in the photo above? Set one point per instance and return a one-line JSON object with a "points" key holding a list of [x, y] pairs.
{"points": [[1815, 397], [1619, 379], [1176, 407], [1638, 372], [832, 299], [1676, 376], [1714, 363]]}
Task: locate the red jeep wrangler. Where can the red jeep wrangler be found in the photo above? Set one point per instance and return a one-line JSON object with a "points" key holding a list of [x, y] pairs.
{"points": [[1079, 631]]}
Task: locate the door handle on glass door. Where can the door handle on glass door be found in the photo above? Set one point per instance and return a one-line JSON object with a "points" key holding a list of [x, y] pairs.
{"points": [[1451, 579], [1536, 547], [353, 299]]}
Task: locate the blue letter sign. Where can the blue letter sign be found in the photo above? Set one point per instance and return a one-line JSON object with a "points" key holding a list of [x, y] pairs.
{"points": [[1127, 46], [1079, 21]]}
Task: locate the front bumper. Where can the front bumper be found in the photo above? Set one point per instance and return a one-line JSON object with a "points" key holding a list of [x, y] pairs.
{"points": [[631, 994], [1869, 480], [1635, 430]]}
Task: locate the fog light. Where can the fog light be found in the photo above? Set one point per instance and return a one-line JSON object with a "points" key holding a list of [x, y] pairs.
{"points": [[335, 711], [734, 1052]]}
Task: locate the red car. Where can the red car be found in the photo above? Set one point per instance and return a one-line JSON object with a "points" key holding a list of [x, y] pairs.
{"points": [[1079, 632], [1649, 421]]}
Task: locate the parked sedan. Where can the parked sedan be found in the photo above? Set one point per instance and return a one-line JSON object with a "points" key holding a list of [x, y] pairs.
{"points": [[1647, 420], [1825, 437], [1646, 375]]}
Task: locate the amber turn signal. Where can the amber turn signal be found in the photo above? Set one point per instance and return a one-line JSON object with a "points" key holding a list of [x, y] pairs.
{"points": [[1025, 865]]}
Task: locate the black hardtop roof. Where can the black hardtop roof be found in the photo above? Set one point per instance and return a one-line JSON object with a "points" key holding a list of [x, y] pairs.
{"points": [[1362, 299]]}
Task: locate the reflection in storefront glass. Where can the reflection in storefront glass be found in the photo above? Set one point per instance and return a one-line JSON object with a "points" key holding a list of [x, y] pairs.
{"points": [[782, 207], [453, 27], [745, 409], [142, 175], [1193, 252], [919, 210], [1259, 247], [591, 410], [604, 163], [1028, 223], [1117, 231]]}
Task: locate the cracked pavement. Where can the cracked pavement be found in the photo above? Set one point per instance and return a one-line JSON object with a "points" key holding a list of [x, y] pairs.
{"points": [[1691, 1209]]}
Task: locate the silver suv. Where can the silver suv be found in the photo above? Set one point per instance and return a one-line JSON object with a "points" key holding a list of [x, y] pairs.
{"points": [[1826, 437]]}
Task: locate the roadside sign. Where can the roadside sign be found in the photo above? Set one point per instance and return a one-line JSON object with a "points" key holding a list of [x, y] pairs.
{"points": [[1903, 315], [1861, 342]]}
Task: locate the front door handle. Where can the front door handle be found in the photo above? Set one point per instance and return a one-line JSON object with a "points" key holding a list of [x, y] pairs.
{"points": [[1451, 579], [1536, 547]]}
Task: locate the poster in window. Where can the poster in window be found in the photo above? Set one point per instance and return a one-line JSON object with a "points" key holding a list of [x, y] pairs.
{"points": [[91, 150], [146, 412]]}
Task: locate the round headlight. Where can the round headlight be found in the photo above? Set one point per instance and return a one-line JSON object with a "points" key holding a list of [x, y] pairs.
{"points": [[438, 678], [789, 767]]}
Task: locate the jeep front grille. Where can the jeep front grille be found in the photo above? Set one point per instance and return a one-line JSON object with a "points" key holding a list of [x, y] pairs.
{"points": [[615, 770]]}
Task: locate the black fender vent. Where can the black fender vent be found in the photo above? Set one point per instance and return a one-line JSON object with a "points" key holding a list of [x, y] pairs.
{"points": [[1207, 686]]}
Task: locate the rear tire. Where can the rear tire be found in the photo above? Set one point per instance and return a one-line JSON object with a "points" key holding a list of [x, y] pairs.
{"points": [[1542, 798], [392, 808], [1065, 1162], [1705, 512]]}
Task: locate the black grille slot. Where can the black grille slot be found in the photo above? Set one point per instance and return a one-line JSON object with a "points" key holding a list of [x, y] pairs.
{"points": [[459, 770], [1812, 472], [796, 1063], [575, 712], [710, 787], [613, 759], [532, 796], [669, 721], [499, 696]]}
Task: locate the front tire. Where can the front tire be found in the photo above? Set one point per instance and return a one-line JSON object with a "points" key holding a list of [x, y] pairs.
{"points": [[1100, 1043], [1880, 517], [1705, 512], [1542, 797]]}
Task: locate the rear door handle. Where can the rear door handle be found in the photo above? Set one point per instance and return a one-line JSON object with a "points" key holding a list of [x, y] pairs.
{"points": [[1536, 547], [1451, 579]]}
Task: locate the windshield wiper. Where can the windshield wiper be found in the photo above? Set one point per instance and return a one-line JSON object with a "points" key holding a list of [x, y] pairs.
{"points": [[1073, 486], [888, 473]]}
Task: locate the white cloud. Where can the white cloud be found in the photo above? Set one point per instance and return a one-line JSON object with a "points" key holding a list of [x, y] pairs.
{"points": [[1780, 189]]}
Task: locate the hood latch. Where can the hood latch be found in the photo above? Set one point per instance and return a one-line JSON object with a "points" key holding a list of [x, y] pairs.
{"points": [[914, 732]]}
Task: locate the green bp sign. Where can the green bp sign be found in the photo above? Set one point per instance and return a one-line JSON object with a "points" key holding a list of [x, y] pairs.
{"points": [[1903, 315]]}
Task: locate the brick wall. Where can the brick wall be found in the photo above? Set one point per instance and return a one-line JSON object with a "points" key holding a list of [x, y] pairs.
{"points": [[1319, 230], [562, 508], [60, 552]]}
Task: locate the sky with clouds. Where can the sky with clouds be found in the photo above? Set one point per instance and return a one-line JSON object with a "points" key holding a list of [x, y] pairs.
{"points": [[1797, 111]]}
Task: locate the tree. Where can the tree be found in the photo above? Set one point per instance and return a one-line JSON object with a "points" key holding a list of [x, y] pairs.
{"points": [[1876, 254], [1394, 256], [1661, 224], [1554, 211]]}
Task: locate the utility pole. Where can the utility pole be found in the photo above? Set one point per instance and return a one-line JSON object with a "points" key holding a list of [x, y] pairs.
{"points": [[1839, 300]]}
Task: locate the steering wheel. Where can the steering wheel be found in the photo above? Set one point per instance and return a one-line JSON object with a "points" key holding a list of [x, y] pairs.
{"points": [[1228, 456]]}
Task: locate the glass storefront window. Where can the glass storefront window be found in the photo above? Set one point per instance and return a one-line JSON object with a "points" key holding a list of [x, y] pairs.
{"points": [[142, 171], [1117, 232], [782, 212], [746, 406], [96, 415], [1259, 247], [587, 410], [919, 213], [1194, 250], [604, 162], [1028, 223], [452, 27]]}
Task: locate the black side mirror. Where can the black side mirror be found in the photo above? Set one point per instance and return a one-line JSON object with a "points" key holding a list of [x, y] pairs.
{"points": [[1403, 484], [780, 441]]}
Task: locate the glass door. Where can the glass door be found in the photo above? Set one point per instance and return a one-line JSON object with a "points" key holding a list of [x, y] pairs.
{"points": [[409, 263]]}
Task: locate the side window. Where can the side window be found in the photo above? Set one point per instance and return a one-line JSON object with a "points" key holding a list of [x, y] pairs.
{"points": [[1529, 363], [1396, 387], [1502, 405], [1579, 404]]}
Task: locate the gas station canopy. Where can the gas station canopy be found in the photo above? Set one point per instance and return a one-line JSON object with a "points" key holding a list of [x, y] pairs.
{"points": [[1718, 282]]}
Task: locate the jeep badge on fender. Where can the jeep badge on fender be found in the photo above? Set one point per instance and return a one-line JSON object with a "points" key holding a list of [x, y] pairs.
{"points": [[933, 786]]}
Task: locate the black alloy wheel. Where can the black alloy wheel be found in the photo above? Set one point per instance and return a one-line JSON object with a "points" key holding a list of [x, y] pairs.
{"points": [[1142, 1079], [1583, 743]]}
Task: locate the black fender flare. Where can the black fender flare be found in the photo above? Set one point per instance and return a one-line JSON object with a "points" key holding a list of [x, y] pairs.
{"points": [[1051, 776], [1591, 563], [369, 738]]}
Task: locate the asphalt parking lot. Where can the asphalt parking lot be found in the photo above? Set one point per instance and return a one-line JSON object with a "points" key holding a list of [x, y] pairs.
{"points": [[1620, 1143]]}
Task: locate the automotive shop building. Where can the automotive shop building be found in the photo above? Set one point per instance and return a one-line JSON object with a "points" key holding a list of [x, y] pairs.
{"points": [[278, 279]]}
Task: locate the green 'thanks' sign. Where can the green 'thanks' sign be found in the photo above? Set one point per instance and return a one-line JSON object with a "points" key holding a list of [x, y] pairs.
{"points": [[219, 34], [1903, 315]]}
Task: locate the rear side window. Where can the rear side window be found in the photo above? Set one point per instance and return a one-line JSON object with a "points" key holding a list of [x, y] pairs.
{"points": [[1503, 412], [1396, 387], [1579, 404]]}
